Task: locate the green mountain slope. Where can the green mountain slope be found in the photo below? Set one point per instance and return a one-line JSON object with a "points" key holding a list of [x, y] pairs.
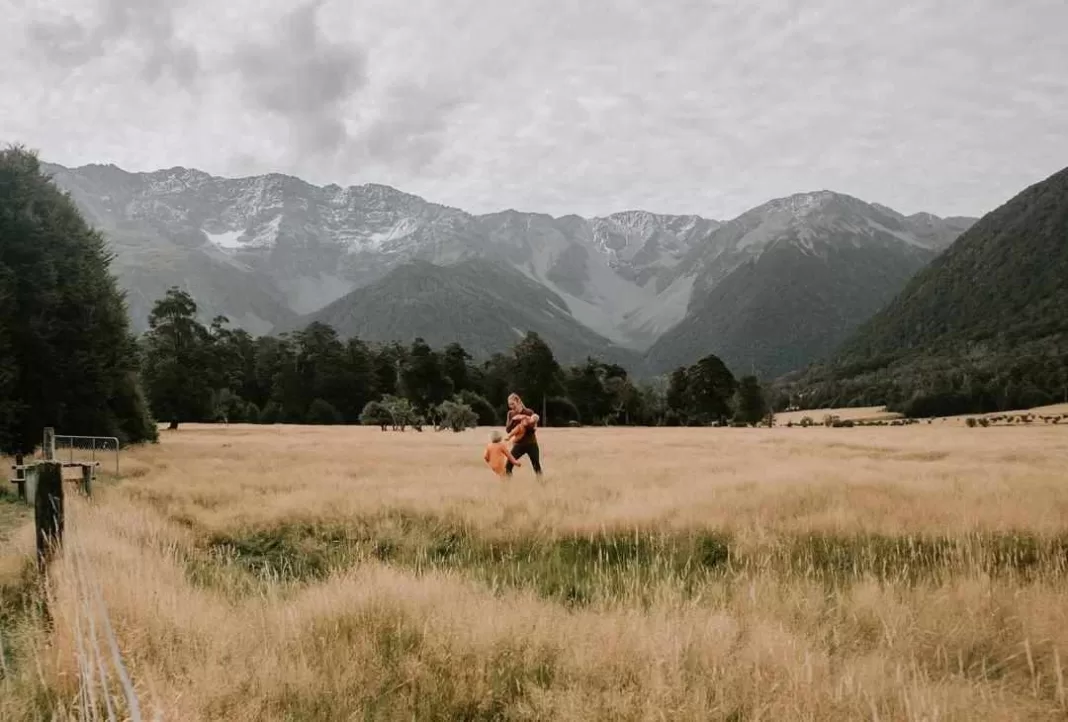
{"points": [[984, 326], [485, 306], [790, 305], [1005, 280]]}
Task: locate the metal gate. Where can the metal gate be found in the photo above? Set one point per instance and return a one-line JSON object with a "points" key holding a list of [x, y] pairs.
{"points": [[86, 448]]}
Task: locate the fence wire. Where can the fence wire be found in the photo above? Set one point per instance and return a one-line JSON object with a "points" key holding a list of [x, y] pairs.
{"points": [[106, 690]]}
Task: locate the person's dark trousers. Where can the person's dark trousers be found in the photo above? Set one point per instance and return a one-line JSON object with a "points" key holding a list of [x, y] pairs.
{"points": [[519, 451]]}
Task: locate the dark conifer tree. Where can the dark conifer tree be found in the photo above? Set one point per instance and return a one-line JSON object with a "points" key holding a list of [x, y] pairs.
{"points": [[67, 357]]}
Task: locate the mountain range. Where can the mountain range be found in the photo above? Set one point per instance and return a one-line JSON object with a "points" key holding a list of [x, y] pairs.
{"points": [[786, 283], [779, 286]]}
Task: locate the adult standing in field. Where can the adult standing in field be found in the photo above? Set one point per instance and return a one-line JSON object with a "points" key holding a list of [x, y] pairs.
{"points": [[526, 443]]}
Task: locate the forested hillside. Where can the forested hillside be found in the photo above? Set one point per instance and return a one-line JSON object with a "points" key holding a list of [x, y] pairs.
{"points": [[984, 327], [483, 305]]}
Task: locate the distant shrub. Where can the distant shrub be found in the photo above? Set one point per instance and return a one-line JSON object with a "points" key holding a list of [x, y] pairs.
{"points": [[984, 422], [972, 423], [401, 413], [375, 413], [456, 416], [487, 415], [807, 421]]}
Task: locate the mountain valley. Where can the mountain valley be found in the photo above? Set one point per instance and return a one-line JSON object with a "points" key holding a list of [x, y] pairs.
{"points": [[775, 288]]}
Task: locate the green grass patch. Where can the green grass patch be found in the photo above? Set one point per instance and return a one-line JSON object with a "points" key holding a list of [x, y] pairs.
{"points": [[572, 569], [910, 559], [630, 566]]}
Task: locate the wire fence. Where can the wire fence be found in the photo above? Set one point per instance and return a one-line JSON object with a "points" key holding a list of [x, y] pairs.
{"points": [[106, 690]]}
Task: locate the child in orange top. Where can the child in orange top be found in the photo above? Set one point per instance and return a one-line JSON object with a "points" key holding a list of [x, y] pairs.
{"points": [[498, 454]]}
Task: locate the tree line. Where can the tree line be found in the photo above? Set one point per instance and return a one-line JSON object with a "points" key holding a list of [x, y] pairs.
{"points": [[926, 385], [195, 372]]}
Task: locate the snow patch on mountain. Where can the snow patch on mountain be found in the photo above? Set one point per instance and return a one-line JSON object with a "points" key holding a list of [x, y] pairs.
{"points": [[404, 228], [226, 239], [267, 234]]}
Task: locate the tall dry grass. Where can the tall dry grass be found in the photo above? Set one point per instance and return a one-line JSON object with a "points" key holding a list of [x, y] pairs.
{"points": [[343, 573]]}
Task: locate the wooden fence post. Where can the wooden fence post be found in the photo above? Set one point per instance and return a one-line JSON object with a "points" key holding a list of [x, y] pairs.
{"points": [[30, 481], [48, 510], [20, 476], [49, 446], [87, 479]]}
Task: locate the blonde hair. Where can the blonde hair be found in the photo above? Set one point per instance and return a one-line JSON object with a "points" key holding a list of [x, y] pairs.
{"points": [[515, 397], [495, 436]]}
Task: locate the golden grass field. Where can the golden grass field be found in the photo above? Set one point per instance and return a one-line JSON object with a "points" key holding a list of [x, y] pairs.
{"points": [[297, 573]]}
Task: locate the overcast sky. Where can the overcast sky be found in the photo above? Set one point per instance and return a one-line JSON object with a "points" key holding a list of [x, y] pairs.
{"points": [[566, 106]]}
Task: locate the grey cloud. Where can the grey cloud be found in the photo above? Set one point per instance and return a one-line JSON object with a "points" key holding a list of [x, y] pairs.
{"points": [[410, 129], [304, 78], [309, 81], [147, 23], [708, 107]]}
